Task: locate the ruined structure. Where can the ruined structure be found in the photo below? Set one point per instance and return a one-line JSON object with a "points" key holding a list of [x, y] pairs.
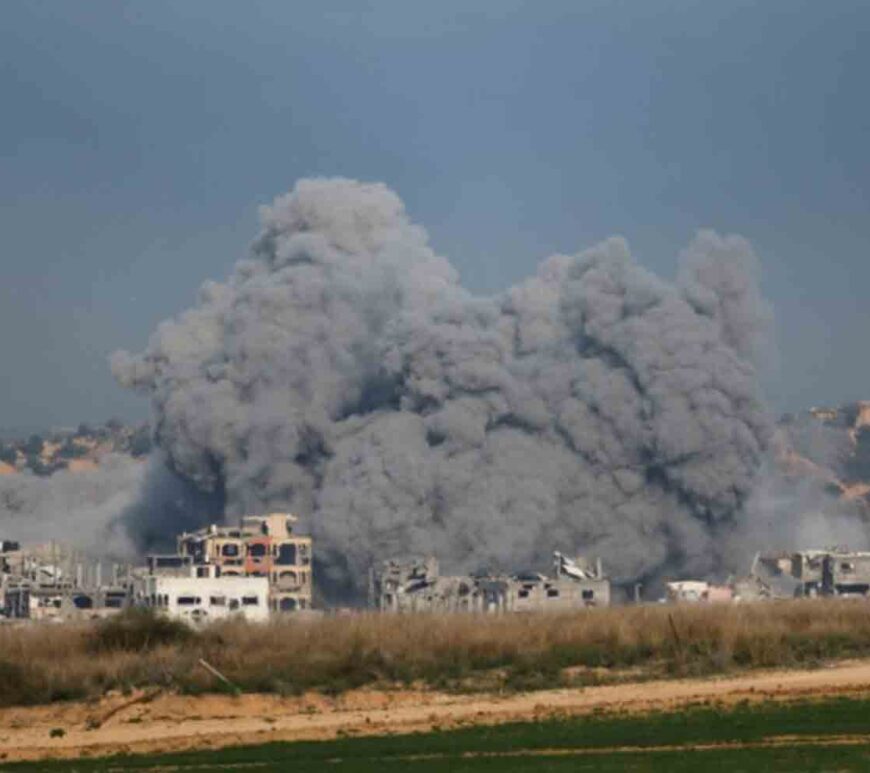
{"points": [[835, 571], [415, 585], [260, 546], [51, 582]]}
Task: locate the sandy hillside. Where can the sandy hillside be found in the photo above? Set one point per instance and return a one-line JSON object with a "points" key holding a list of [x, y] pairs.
{"points": [[148, 722]]}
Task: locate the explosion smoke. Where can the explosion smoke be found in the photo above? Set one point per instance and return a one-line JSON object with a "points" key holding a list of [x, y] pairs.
{"points": [[79, 508], [342, 372]]}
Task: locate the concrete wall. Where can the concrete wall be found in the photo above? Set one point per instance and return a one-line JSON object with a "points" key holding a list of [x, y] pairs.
{"points": [[201, 600]]}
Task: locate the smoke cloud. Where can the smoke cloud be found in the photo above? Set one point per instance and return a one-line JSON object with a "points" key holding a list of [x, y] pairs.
{"points": [[344, 373], [79, 508], [788, 513]]}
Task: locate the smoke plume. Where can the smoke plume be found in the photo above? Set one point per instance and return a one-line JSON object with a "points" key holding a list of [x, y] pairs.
{"points": [[344, 373], [79, 508]]}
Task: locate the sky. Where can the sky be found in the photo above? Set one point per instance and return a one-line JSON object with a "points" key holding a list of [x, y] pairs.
{"points": [[138, 139]]}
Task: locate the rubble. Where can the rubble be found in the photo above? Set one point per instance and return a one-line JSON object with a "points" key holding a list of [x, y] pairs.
{"points": [[415, 585]]}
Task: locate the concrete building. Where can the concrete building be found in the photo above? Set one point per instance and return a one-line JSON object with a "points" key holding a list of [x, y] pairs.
{"points": [[260, 546], [201, 599], [53, 583], [415, 585], [808, 568], [172, 565], [61, 602], [846, 573], [835, 571]]}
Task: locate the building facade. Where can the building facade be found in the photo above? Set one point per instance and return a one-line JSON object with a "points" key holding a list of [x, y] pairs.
{"points": [[200, 600], [260, 546], [52, 582]]}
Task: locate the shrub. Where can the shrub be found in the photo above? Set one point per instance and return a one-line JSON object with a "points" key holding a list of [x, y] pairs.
{"points": [[15, 684], [71, 450], [140, 442], [139, 630], [33, 445]]}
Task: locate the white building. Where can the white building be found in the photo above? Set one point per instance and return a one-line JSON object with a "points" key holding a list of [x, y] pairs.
{"points": [[201, 600], [697, 591]]}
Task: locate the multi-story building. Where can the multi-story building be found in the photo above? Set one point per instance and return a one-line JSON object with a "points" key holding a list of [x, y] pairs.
{"points": [[260, 546]]}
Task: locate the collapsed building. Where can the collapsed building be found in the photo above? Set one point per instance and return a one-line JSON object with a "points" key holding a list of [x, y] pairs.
{"points": [[414, 584], [828, 572], [834, 572]]}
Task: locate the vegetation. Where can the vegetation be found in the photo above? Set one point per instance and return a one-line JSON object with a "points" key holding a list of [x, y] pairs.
{"points": [[825, 735], [137, 630], [45, 455], [38, 467], [33, 445], [71, 450], [40, 664], [140, 442]]}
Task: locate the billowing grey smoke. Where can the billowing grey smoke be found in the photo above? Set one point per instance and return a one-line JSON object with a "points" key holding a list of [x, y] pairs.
{"points": [[77, 508], [343, 372]]}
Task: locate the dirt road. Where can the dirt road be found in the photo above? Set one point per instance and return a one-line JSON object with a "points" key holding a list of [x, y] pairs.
{"points": [[163, 723]]}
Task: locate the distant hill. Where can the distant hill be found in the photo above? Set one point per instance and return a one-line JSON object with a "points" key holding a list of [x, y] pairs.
{"points": [[73, 449]]}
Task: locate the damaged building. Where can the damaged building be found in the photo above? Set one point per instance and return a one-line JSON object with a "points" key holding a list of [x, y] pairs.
{"points": [[253, 569], [53, 583], [260, 546], [835, 571], [415, 585]]}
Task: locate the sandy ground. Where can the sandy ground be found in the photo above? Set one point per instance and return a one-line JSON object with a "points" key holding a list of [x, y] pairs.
{"points": [[149, 722]]}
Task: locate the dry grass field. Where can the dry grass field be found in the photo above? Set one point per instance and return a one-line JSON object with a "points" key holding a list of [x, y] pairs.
{"points": [[46, 663]]}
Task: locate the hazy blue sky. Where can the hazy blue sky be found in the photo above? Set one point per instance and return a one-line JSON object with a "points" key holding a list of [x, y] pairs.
{"points": [[137, 139]]}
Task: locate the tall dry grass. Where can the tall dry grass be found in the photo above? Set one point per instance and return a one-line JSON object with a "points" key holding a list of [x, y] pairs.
{"points": [[46, 663]]}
